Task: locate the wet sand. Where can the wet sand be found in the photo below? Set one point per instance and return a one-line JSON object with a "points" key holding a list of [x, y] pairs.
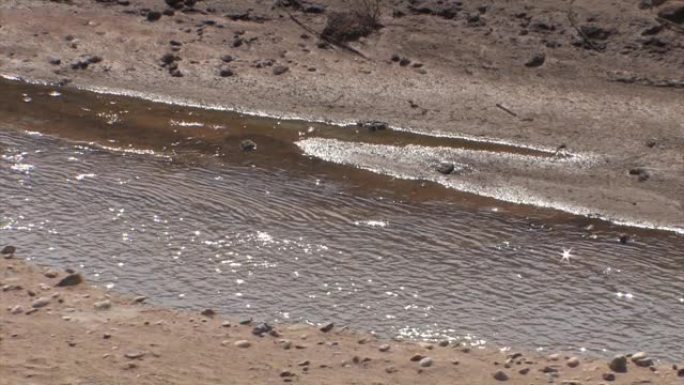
{"points": [[622, 103], [83, 334]]}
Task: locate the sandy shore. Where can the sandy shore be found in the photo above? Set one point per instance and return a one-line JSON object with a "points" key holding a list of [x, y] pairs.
{"points": [[80, 334], [620, 105]]}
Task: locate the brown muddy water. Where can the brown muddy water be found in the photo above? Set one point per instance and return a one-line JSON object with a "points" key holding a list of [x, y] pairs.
{"points": [[159, 200]]}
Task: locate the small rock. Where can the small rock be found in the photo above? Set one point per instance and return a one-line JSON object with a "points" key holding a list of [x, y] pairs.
{"points": [[417, 357], [443, 343], [554, 357], [55, 61], [286, 373], [106, 336], [51, 274], [674, 13], [384, 348], [304, 363], [94, 59], [524, 371], [40, 302], [573, 362], [446, 169], [139, 299], [327, 327], [642, 173], [208, 313], [154, 16], [642, 359], [391, 369], [500, 375], [680, 372], [246, 321], [548, 369], [652, 30], [624, 238], [287, 345], [8, 251], [70, 280], [103, 305], [536, 60], [280, 69], [134, 355], [227, 58], [404, 62], [608, 377], [175, 43], [225, 72], [246, 146], [395, 58], [595, 32], [618, 364], [168, 58], [425, 362], [261, 329], [18, 309], [243, 344], [225, 324]]}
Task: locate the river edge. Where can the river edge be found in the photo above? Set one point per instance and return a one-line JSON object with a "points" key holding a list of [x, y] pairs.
{"points": [[567, 102], [84, 334], [640, 222]]}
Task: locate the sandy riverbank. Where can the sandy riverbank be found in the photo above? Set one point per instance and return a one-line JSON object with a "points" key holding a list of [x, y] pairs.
{"points": [[620, 105], [81, 334]]}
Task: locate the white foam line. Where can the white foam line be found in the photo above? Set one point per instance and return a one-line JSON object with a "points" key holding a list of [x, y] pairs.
{"points": [[312, 147], [158, 98]]}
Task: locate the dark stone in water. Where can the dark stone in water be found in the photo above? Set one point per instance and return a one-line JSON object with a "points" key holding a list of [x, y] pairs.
{"points": [[248, 145], [261, 329], [445, 168], [208, 312], [373, 125], [624, 238], [70, 280]]}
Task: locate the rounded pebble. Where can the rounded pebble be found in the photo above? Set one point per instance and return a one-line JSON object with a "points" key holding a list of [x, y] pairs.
{"points": [[426, 362], [500, 375]]}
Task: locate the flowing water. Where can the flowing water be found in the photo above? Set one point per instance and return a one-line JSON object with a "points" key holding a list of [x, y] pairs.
{"points": [[159, 200]]}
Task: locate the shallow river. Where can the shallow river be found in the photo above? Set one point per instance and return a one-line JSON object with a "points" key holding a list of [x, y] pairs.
{"points": [[159, 200]]}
